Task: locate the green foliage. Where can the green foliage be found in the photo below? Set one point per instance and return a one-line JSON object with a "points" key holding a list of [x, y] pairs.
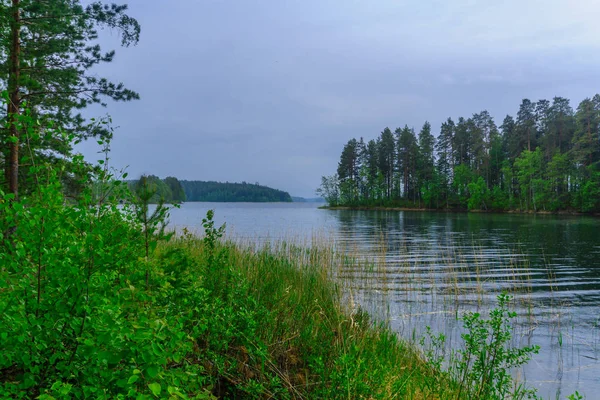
{"points": [[153, 222], [329, 190], [76, 318], [480, 194], [499, 199], [462, 178], [483, 366], [527, 170], [68, 286], [575, 396]]}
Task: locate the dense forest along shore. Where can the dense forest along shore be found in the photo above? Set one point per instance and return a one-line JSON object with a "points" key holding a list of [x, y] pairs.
{"points": [[546, 160]]}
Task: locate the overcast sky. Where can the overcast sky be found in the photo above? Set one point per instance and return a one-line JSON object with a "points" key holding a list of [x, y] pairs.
{"points": [[270, 91]]}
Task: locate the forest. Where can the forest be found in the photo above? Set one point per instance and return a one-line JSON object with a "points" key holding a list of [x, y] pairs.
{"points": [[544, 160], [233, 192]]}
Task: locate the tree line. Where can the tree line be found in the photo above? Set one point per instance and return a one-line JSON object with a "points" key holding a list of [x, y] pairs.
{"points": [[545, 159], [233, 192]]}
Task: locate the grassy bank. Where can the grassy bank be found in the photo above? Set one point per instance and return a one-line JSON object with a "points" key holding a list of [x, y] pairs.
{"points": [[279, 329], [96, 302]]}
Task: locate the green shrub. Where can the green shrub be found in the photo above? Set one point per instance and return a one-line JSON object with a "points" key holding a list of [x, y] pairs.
{"points": [[483, 366]]}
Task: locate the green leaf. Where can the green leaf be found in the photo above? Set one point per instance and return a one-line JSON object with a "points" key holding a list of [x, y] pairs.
{"points": [[152, 371], [156, 348], [155, 388], [133, 379]]}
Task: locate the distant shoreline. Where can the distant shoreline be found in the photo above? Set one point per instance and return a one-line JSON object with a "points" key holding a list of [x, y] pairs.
{"points": [[458, 211]]}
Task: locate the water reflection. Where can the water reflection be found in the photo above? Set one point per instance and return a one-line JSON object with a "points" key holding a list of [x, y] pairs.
{"points": [[432, 266]]}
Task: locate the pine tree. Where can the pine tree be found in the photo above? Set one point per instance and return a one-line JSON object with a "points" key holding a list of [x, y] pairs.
{"points": [[386, 159], [47, 56], [510, 139], [427, 185], [361, 150], [561, 126], [372, 168], [444, 153], [484, 134], [461, 145], [426, 146], [526, 126], [408, 153], [586, 138], [348, 171]]}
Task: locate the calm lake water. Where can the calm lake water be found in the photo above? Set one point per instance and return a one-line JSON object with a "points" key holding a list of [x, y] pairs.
{"points": [[430, 267]]}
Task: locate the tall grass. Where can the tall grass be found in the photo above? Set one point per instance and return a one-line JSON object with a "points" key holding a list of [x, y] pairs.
{"points": [[318, 342]]}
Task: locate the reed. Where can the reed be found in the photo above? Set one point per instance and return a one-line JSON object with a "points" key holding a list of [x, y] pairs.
{"points": [[317, 341]]}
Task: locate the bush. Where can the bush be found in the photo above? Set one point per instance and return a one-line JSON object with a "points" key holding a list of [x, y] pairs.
{"points": [[483, 366]]}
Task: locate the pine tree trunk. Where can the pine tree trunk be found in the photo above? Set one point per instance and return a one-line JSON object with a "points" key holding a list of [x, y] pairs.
{"points": [[12, 166]]}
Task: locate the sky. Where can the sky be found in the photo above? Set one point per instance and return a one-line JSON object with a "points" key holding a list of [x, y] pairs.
{"points": [[270, 91]]}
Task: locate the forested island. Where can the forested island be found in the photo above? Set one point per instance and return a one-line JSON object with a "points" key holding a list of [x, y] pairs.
{"points": [[172, 190], [545, 160], [232, 192]]}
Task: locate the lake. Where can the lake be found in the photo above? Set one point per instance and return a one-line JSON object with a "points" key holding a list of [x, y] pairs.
{"points": [[428, 267]]}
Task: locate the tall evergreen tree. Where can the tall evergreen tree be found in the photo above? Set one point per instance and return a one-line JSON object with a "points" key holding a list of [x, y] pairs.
{"points": [[46, 61], [373, 168], [461, 145], [444, 152], [407, 161], [426, 161], [561, 126], [542, 120], [386, 158], [348, 171], [427, 184], [361, 150], [484, 134], [586, 137], [526, 126], [510, 139]]}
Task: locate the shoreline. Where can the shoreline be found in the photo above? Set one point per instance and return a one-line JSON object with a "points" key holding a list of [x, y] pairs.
{"points": [[459, 211]]}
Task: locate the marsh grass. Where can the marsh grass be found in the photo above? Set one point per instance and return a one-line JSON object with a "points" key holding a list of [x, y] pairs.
{"points": [[319, 295], [317, 341]]}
